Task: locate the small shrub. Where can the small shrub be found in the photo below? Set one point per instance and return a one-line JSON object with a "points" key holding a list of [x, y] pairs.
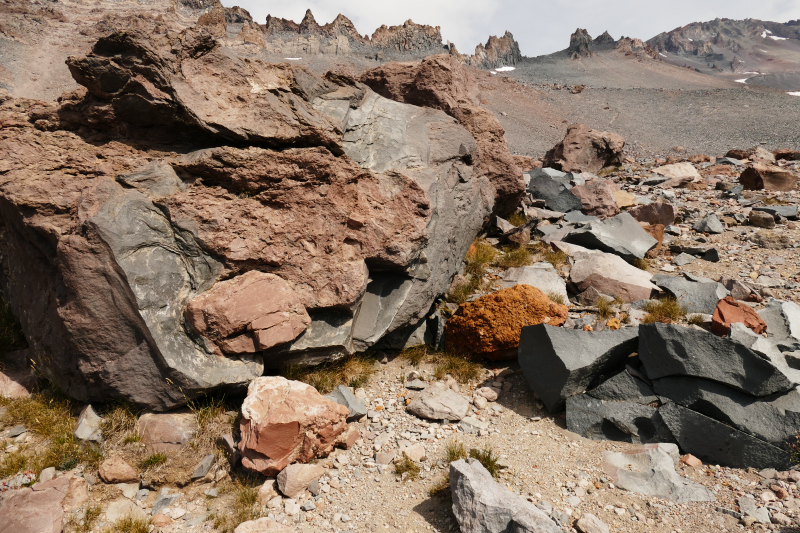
{"points": [[130, 524], [153, 460], [352, 371], [605, 307], [119, 422], [556, 298], [557, 258], [441, 488], [773, 201], [514, 257], [454, 451], [517, 219], [480, 255], [695, 320], [416, 354], [641, 264], [408, 467], [86, 523], [462, 368], [488, 459], [461, 292], [666, 310]]}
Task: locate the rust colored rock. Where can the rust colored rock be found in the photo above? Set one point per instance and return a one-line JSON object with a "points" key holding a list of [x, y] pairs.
{"points": [[657, 232], [161, 520], [167, 431], [654, 213], [730, 311], [526, 163], [691, 461], [786, 154], [585, 150], [760, 176], [348, 439], [287, 421], [116, 470], [718, 170], [490, 326], [442, 82], [249, 313], [597, 198]]}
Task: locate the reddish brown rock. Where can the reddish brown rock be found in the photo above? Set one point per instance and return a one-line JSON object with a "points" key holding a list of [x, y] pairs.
{"points": [[167, 431], [442, 82], [691, 461], [585, 150], [17, 383], [526, 163], [490, 326], [657, 232], [760, 176], [42, 508], [161, 520], [654, 213], [730, 311], [116, 470], [287, 421], [786, 154], [249, 313], [719, 170], [597, 198]]}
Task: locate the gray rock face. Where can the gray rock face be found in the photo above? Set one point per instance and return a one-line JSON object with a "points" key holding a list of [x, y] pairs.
{"points": [[684, 259], [156, 180], [203, 467], [342, 395], [749, 508], [561, 362], [482, 505], [668, 350], [698, 295], [786, 211], [555, 194], [438, 402], [541, 275], [783, 320], [620, 235], [650, 470], [755, 416], [624, 387], [709, 224], [329, 336], [168, 268], [718, 443], [620, 421]]}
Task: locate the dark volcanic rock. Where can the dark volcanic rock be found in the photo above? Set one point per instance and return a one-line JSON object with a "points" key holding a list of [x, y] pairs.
{"points": [[698, 295], [555, 194], [669, 350], [620, 235], [585, 150], [718, 443], [619, 421], [559, 363], [624, 387]]}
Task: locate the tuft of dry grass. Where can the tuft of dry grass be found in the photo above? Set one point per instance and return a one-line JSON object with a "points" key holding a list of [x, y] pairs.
{"points": [[49, 417], [641, 264], [119, 422], [130, 524], [455, 450], [211, 414], [463, 368], [85, 523], [695, 320], [666, 310], [353, 371], [406, 468], [774, 201], [605, 307], [245, 504], [557, 258], [517, 219], [11, 336], [440, 488], [416, 354], [488, 459], [556, 298], [512, 256], [461, 292], [479, 256]]}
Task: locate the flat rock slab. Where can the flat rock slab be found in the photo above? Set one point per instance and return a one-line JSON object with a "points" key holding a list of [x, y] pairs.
{"points": [[561, 362], [439, 402], [624, 388], [717, 443], [786, 211], [167, 431], [344, 396], [709, 224], [783, 320], [670, 350], [294, 479], [555, 194], [610, 274], [541, 275], [620, 235], [698, 295], [482, 505], [650, 470], [619, 421]]}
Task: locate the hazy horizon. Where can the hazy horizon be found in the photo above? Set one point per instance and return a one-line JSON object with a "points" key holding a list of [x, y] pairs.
{"points": [[540, 28]]}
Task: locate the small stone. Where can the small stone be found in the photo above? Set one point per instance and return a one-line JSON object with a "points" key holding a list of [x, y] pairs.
{"points": [[691, 460], [267, 491], [308, 506], [294, 479], [88, 425], [47, 474], [161, 520], [116, 470], [415, 452], [202, 469], [480, 402]]}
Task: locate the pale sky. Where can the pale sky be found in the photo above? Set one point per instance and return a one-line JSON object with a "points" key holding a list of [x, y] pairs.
{"points": [[541, 27]]}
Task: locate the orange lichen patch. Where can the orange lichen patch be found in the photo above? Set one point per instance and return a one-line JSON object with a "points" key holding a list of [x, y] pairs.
{"points": [[490, 326]]}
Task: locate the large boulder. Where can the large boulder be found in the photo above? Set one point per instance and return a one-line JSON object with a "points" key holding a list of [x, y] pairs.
{"points": [[610, 274], [490, 326], [585, 150], [654, 213], [442, 82], [620, 235], [541, 275], [671, 350], [558, 362], [482, 505], [349, 198], [554, 192], [619, 421], [287, 421], [695, 293], [650, 470], [763, 176], [43, 507]]}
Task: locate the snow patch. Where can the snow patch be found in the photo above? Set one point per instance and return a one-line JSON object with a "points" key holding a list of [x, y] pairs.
{"points": [[293, 58], [796, 93], [744, 80], [777, 38], [505, 69], [662, 55], [691, 40]]}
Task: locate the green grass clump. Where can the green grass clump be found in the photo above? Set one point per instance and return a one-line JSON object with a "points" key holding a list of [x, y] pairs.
{"points": [[556, 298], [130, 524], [408, 467], [49, 416], [454, 451], [666, 310], [353, 371], [11, 336], [480, 255], [517, 219], [512, 256], [461, 367], [153, 460], [641, 264], [605, 307], [557, 258], [488, 459]]}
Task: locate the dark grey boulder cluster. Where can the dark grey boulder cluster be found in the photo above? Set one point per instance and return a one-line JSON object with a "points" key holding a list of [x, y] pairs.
{"points": [[728, 401]]}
